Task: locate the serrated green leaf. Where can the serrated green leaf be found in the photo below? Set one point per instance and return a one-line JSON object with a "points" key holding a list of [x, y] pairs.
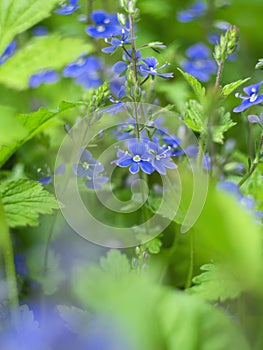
{"points": [[17, 16], [34, 123], [199, 90], [194, 116], [11, 127], [227, 89], [226, 123], [47, 52], [24, 201], [115, 263], [216, 283]]}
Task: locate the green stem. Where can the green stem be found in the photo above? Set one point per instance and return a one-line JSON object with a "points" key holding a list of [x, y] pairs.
{"points": [[219, 74], [189, 278], [7, 250]]}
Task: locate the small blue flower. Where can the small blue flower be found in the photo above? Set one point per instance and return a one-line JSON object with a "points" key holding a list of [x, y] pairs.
{"points": [[161, 158], [137, 158], [150, 68], [106, 25], [195, 11], [90, 169], [254, 119], [86, 71], [49, 76], [120, 67], [115, 42], [252, 98], [9, 52], [173, 142], [68, 8], [40, 31], [48, 177], [200, 64]]}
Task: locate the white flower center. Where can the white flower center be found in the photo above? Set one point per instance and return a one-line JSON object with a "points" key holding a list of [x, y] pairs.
{"points": [[253, 98], [106, 21], [85, 165], [136, 158], [152, 70], [101, 29]]}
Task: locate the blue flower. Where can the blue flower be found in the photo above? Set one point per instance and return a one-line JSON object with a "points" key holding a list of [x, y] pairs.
{"points": [[49, 76], [252, 98], [40, 31], [9, 52], [115, 42], [200, 64], [150, 68], [86, 71], [137, 158], [161, 158], [68, 8], [173, 142], [106, 25], [255, 119], [195, 11], [90, 169], [48, 177], [120, 67]]}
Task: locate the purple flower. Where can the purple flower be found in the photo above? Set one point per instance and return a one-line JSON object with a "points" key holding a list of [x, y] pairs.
{"points": [[49, 76], [115, 42], [137, 158], [160, 158], [150, 68], [90, 169], [9, 52], [68, 8], [255, 119], [199, 62], [197, 10], [106, 25], [86, 71], [252, 98]]}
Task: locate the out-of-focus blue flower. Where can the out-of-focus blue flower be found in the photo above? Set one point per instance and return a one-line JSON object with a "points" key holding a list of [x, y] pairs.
{"points": [[9, 52], [137, 158], [90, 169], [20, 264], [173, 142], [106, 25], [86, 71], [40, 31], [116, 42], [149, 67], [49, 76], [252, 98], [197, 10], [47, 179], [254, 119], [199, 62], [68, 8], [161, 158]]}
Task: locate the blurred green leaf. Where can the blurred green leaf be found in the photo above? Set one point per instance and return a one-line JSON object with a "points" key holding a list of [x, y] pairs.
{"points": [[24, 200], [225, 123], [216, 283], [194, 116], [75, 318], [227, 89], [19, 15], [199, 90], [11, 127], [47, 52]]}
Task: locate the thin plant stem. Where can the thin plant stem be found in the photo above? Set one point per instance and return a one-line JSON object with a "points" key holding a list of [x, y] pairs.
{"points": [[189, 278], [8, 254], [219, 74]]}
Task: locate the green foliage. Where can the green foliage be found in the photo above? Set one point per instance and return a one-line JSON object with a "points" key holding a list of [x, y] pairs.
{"points": [[11, 127], [19, 15], [194, 116], [259, 65], [47, 52], [224, 124], [32, 124], [75, 318], [24, 200], [227, 89], [227, 45], [199, 90], [216, 283]]}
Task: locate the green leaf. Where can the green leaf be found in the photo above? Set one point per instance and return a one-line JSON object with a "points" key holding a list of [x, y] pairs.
{"points": [[33, 123], [225, 123], [216, 283], [259, 65], [24, 200], [199, 90], [194, 116], [19, 15], [115, 264], [47, 52], [11, 128], [227, 89]]}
